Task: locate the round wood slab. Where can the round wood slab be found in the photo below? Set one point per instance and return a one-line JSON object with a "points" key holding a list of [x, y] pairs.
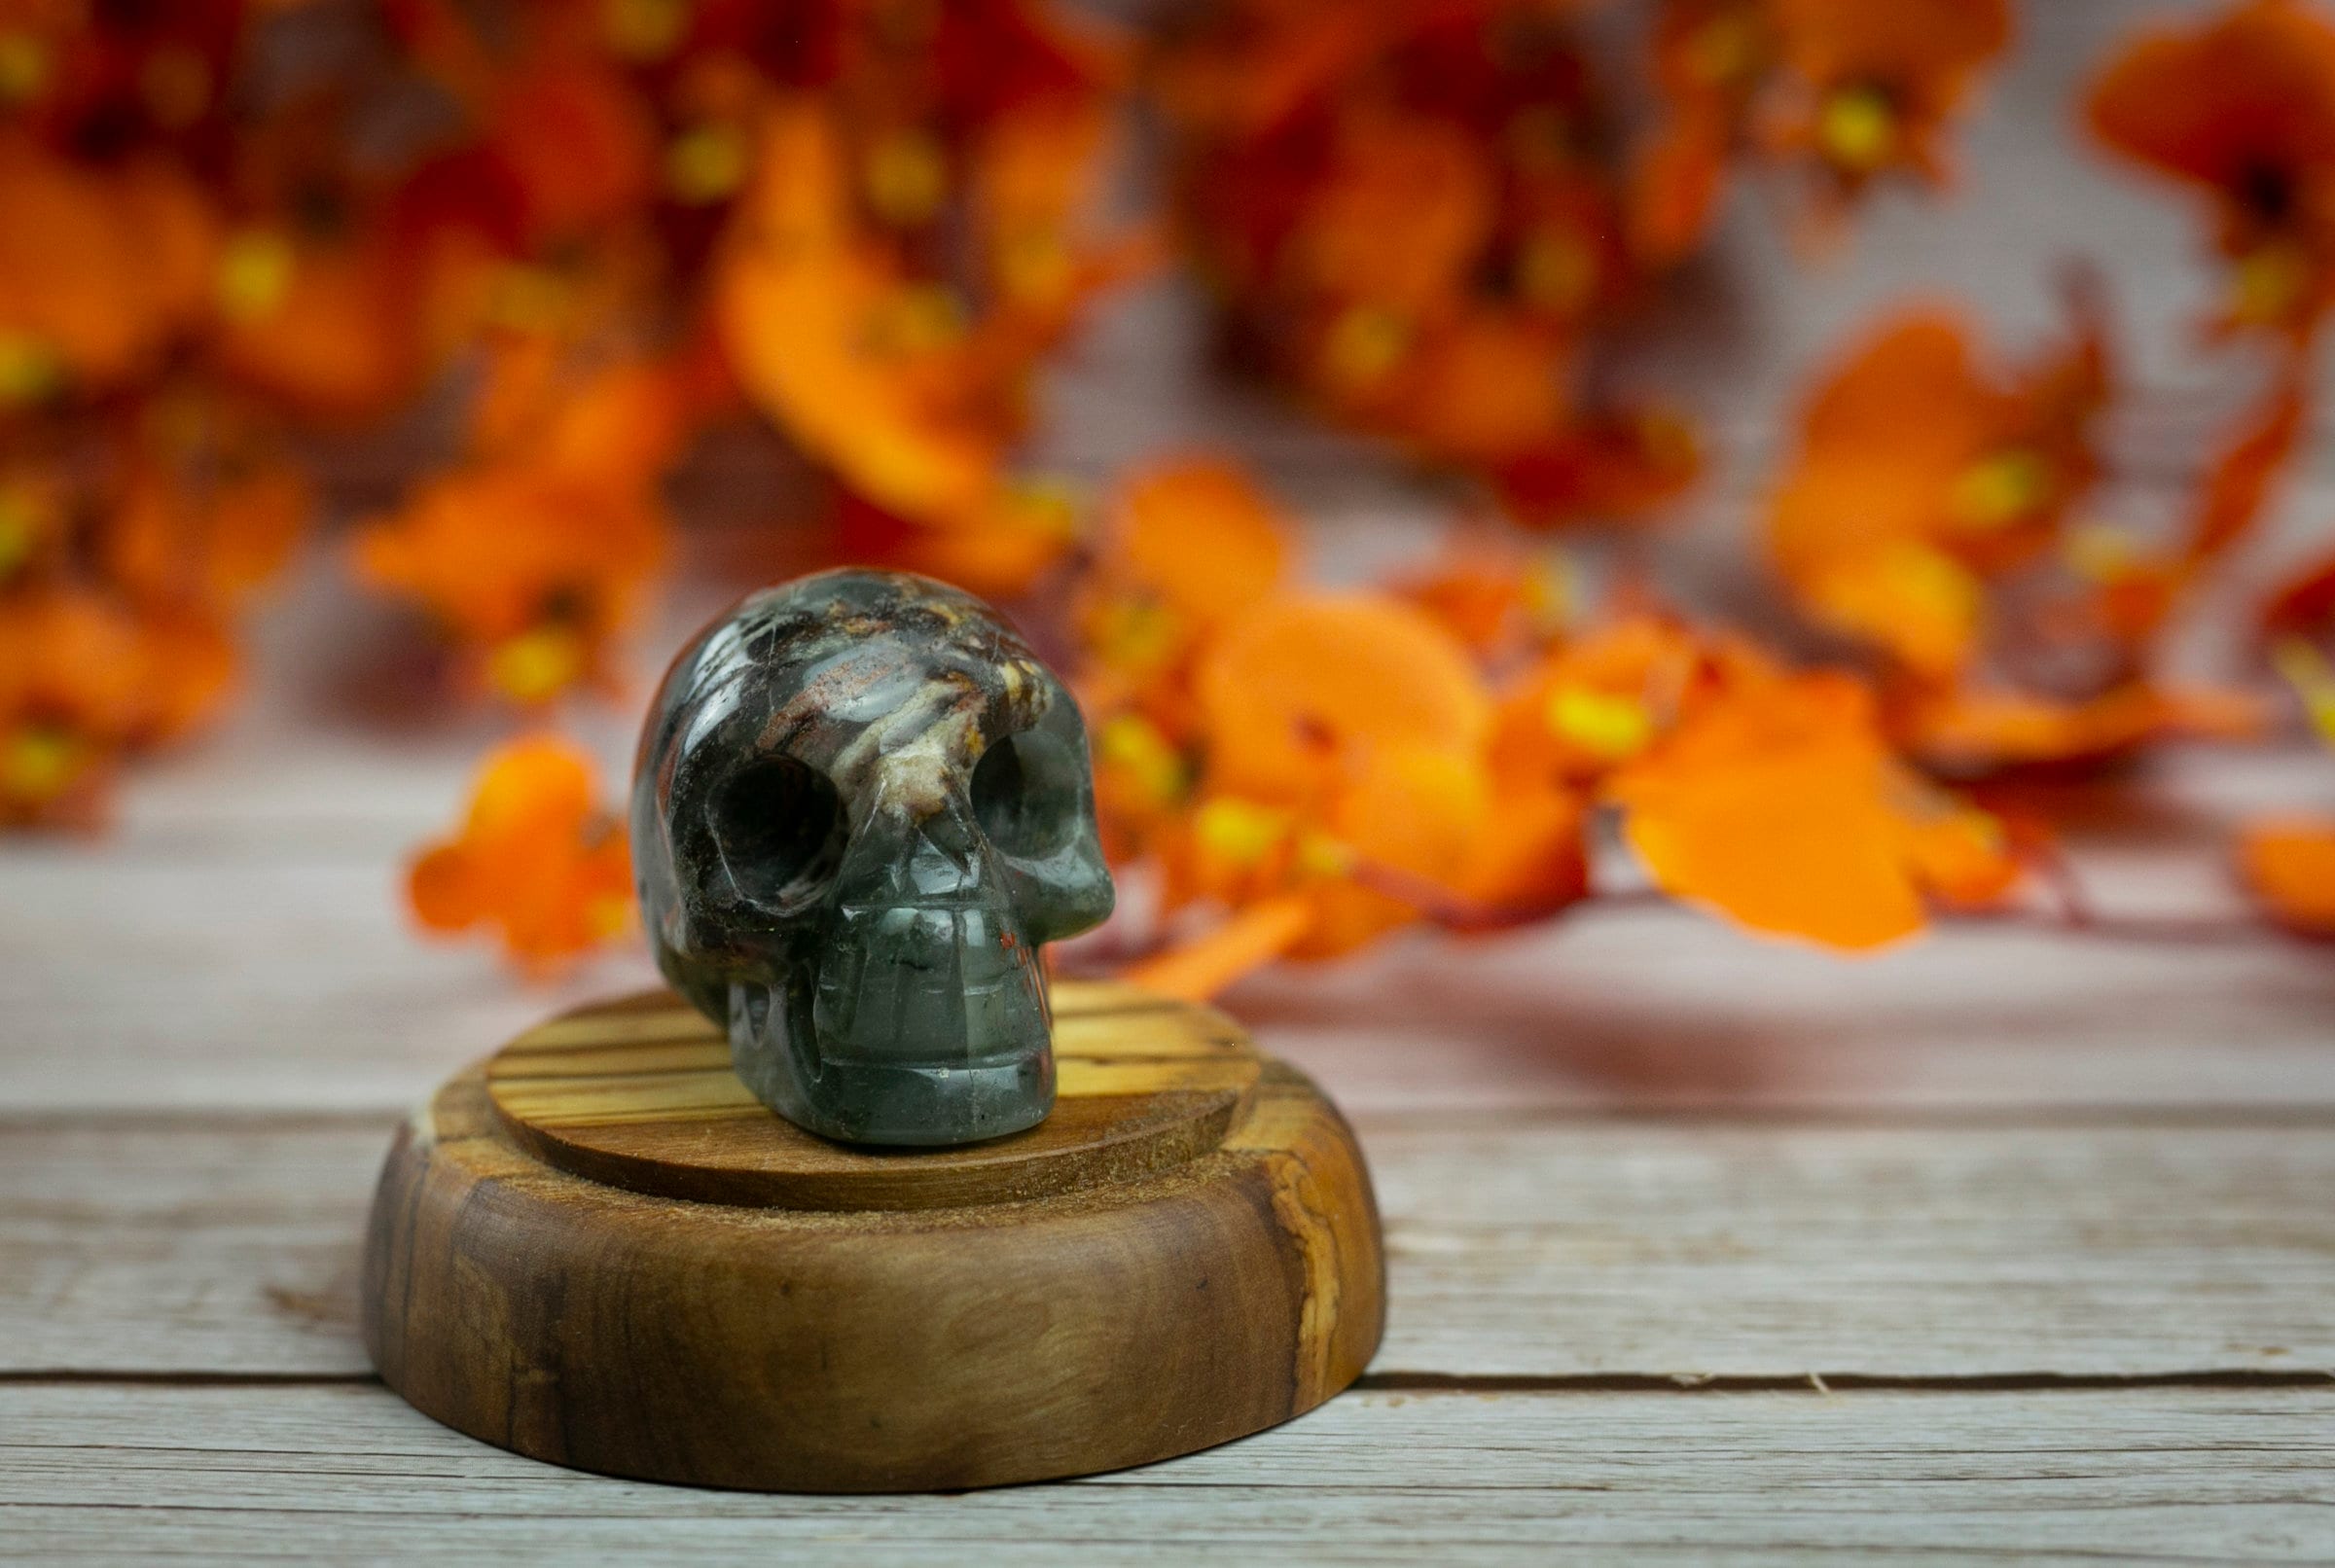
{"points": [[597, 1249]]}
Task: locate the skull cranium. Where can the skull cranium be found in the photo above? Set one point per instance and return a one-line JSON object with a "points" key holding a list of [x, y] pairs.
{"points": [[860, 805]]}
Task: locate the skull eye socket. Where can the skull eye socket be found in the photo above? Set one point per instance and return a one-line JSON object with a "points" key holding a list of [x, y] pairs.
{"points": [[1026, 795], [781, 827]]}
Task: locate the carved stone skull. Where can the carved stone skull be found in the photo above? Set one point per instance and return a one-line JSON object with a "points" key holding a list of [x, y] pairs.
{"points": [[860, 805]]}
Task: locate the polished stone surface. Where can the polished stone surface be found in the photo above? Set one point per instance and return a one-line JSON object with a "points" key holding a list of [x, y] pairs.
{"points": [[860, 806]]}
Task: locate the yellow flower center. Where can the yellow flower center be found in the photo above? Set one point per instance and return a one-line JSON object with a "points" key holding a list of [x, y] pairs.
{"points": [[906, 177], [1556, 271], [23, 66], [1857, 128], [17, 522], [537, 665], [1724, 50], [1931, 579], [2306, 669], [1239, 831], [1034, 268], [1551, 592], [1320, 855], [1135, 634], [39, 764], [704, 164], [1606, 725], [607, 917], [30, 371], [1133, 747], [255, 273], [1049, 504], [920, 318], [527, 299], [643, 30], [1363, 345], [2002, 490], [2269, 283]]}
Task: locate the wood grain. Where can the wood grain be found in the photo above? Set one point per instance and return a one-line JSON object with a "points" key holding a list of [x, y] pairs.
{"points": [[2162, 1476], [639, 1094], [1005, 1320], [1554, 1247]]}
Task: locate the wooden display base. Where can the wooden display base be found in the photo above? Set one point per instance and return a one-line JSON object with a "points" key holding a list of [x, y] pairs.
{"points": [[596, 1248]]}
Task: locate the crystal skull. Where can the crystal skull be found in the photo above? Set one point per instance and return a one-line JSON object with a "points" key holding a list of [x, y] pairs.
{"points": [[860, 806]]}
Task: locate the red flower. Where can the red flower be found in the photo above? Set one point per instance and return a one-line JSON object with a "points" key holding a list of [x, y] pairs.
{"points": [[2242, 109]]}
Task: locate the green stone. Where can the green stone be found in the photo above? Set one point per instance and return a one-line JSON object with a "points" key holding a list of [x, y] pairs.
{"points": [[861, 804]]}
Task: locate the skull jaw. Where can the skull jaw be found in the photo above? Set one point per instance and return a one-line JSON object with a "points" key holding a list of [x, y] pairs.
{"points": [[780, 1056]]}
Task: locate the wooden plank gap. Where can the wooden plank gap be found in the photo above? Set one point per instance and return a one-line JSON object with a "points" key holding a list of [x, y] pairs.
{"points": [[184, 1378], [1832, 1384]]}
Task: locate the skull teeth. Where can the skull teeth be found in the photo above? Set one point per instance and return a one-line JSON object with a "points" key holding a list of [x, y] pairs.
{"points": [[926, 987]]}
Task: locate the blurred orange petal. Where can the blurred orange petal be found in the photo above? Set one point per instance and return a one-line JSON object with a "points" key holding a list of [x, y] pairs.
{"points": [[1247, 940], [803, 309], [1975, 730], [537, 860], [2290, 865], [1781, 807], [1298, 680]]}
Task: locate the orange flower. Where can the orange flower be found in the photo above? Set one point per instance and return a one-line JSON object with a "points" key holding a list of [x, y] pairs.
{"points": [[1032, 174], [1297, 687], [1712, 58], [1346, 789], [1855, 91], [2242, 109], [1402, 211], [536, 554], [2288, 862], [1773, 798], [1406, 214], [538, 860], [99, 271], [85, 680], [210, 531], [872, 373], [1189, 544], [1919, 475], [35, 521], [1871, 87], [534, 568], [1614, 463], [1594, 702], [576, 141], [324, 327], [1496, 599], [1780, 804]]}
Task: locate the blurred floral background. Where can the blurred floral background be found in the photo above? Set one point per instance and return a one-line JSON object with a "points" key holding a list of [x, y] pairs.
{"points": [[1376, 412]]}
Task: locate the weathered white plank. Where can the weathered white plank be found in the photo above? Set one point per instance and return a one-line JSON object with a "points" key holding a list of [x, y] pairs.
{"points": [[1526, 1247], [209, 976], [130, 1246], [2162, 1475], [1659, 1007], [1697, 1248]]}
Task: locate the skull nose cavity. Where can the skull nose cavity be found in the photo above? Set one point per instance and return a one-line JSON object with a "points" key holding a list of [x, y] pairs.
{"points": [[936, 983]]}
